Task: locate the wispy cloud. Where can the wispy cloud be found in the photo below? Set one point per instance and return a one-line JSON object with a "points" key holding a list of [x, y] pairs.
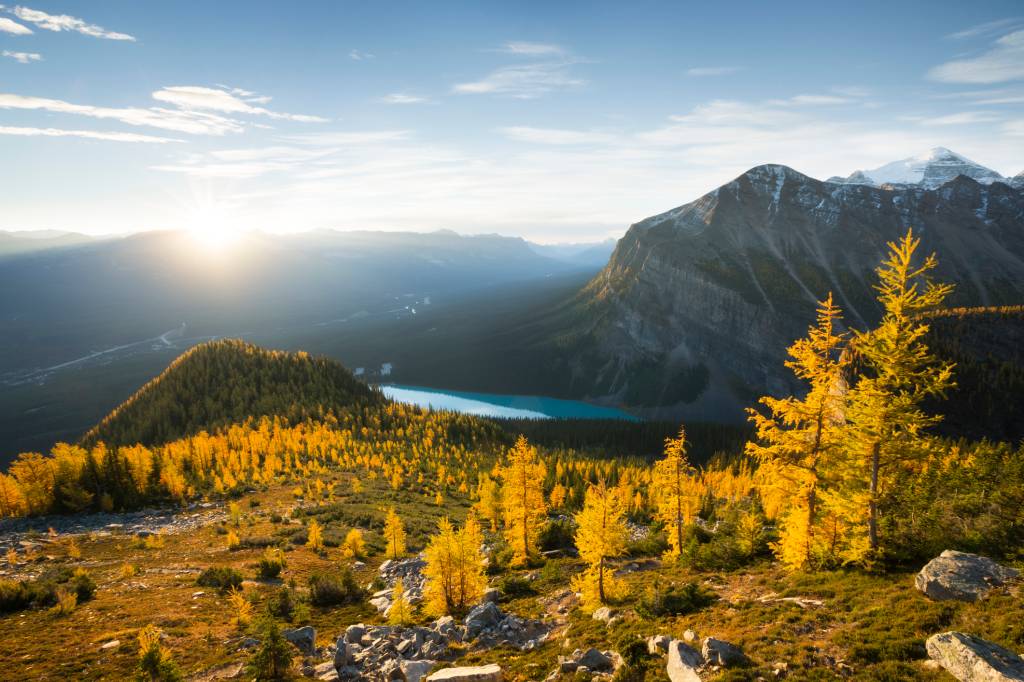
{"points": [[525, 81], [962, 118], [23, 57], [64, 22], [191, 97], [986, 29], [555, 136], [701, 71], [812, 100], [1003, 62], [199, 110], [531, 49], [90, 134], [359, 55], [13, 27], [402, 98]]}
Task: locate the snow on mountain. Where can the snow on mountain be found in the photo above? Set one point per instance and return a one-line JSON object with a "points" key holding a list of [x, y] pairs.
{"points": [[930, 170]]}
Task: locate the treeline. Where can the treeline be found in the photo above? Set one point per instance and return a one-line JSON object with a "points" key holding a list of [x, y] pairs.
{"points": [[220, 383], [621, 438]]}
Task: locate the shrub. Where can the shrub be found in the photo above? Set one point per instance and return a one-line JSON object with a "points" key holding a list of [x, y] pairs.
{"points": [[273, 657], [224, 579], [271, 564], [46, 590], [513, 586], [655, 544], [281, 605], [674, 601], [66, 602], [556, 534], [155, 662], [331, 590]]}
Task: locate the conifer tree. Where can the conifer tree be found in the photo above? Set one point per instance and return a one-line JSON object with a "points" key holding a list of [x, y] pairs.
{"points": [[673, 493], [354, 547], [801, 438], [489, 504], [400, 611], [886, 420], [315, 536], [523, 504], [601, 534], [454, 570], [394, 535]]}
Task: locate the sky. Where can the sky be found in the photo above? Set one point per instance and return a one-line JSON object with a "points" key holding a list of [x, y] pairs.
{"points": [[556, 121]]}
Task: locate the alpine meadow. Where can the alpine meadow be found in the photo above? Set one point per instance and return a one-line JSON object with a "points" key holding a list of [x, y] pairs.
{"points": [[334, 344]]}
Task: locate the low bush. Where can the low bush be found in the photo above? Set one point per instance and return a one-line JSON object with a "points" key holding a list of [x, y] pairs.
{"points": [[46, 591], [332, 590], [673, 601], [514, 586], [556, 534], [281, 604], [224, 579], [271, 564]]}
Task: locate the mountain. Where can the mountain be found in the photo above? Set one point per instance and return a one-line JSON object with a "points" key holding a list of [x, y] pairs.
{"points": [[697, 305], [25, 241], [1017, 181], [930, 170], [585, 253], [227, 382]]}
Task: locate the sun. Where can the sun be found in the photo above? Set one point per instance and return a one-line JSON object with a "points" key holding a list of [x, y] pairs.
{"points": [[211, 231]]}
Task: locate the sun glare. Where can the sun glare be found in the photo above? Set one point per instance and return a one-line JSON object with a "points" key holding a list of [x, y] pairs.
{"points": [[211, 231]]}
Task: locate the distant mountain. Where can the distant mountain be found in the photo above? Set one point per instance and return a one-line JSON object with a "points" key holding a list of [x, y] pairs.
{"points": [[1017, 181], [586, 253], [28, 241], [697, 305], [226, 382], [930, 170]]}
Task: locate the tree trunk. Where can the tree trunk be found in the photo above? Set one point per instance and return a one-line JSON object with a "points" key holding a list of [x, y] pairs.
{"points": [[600, 580], [873, 498]]}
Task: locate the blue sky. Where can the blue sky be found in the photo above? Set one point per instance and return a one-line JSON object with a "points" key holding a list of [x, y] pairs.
{"points": [[557, 121]]}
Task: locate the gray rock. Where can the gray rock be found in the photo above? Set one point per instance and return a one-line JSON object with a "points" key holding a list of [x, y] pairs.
{"points": [[354, 633], [595, 660], [414, 671], [325, 671], [718, 652], [482, 617], [304, 638], [657, 644], [962, 576], [683, 661], [689, 636], [491, 594], [972, 659], [604, 614], [476, 673], [342, 653]]}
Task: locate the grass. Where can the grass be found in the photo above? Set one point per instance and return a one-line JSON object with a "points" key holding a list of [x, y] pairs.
{"points": [[871, 626]]}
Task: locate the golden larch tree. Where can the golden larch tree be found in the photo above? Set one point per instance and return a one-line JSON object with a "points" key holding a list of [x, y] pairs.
{"points": [[672, 492], [522, 480], [455, 569], [394, 535], [601, 534]]}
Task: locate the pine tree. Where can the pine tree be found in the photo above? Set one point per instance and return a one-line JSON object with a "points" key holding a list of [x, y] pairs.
{"points": [[273, 657], [886, 420], [522, 479], [673, 493], [315, 536], [394, 535], [801, 438], [601, 534], [455, 569]]}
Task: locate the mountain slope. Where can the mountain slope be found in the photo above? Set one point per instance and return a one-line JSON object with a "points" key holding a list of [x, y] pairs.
{"points": [[930, 170], [697, 305], [220, 383]]}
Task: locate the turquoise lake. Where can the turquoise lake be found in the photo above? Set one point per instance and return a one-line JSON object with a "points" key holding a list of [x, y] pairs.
{"points": [[499, 405]]}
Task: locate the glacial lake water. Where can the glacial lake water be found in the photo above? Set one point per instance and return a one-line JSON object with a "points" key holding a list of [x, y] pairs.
{"points": [[499, 405]]}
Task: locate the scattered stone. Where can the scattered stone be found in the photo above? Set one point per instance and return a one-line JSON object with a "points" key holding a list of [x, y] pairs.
{"points": [[719, 652], [962, 576], [491, 594], [354, 633], [342, 654], [478, 673], [605, 614], [303, 638], [112, 644], [414, 671], [683, 662], [657, 644], [481, 617], [690, 636], [325, 671], [972, 659]]}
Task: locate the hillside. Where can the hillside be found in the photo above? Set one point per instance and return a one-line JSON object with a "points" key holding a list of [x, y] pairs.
{"points": [[220, 383]]}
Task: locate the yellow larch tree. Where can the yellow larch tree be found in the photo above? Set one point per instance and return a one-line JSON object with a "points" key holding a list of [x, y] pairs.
{"points": [[522, 479], [601, 534], [400, 611], [489, 504], [673, 492], [800, 439], [394, 535], [315, 536], [455, 578]]}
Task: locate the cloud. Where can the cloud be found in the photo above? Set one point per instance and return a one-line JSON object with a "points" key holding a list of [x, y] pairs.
{"points": [[555, 136], [963, 118], [13, 27], [90, 134], [1014, 128], [23, 57], [526, 81], [192, 97], [811, 100], [988, 28], [701, 71], [349, 138], [360, 56], [1003, 62], [530, 49], [402, 98], [63, 22]]}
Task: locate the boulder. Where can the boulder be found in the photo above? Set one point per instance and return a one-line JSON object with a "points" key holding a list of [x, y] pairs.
{"points": [[972, 659], [604, 614], [414, 671], [657, 644], [325, 671], [342, 654], [303, 638], [492, 594], [962, 576], [719, 652], [482, 617], [476, 673], [354, 633], [683, 661], [594, 660]]}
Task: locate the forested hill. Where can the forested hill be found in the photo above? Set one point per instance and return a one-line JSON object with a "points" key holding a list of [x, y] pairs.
{"points": [[987, 345], [220, 383]]}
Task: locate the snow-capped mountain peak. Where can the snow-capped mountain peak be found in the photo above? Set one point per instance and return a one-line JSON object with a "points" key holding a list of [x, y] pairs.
{"points": [[929, 170]]}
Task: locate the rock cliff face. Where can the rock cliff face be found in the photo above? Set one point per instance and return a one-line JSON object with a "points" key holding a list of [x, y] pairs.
{"points": [[697, 305], [929, 170]]}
